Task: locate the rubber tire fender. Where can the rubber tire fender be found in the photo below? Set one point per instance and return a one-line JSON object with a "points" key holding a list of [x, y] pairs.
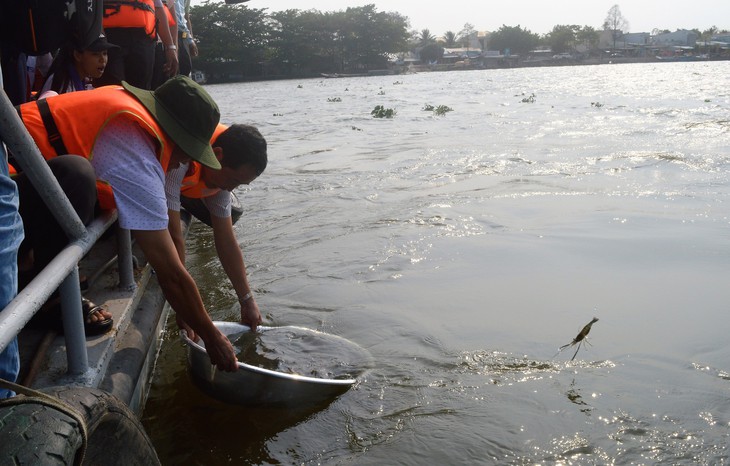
{"points": [[37, 434]]}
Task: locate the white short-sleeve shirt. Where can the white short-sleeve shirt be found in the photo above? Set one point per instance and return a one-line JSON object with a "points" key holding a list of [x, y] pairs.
{"points": [[218, 204], [124, 156]]}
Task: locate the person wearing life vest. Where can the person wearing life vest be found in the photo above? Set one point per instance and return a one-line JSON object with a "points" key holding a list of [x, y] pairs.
{"points": [[134, 25], [131, 137], [241, 150], [70, 124]]}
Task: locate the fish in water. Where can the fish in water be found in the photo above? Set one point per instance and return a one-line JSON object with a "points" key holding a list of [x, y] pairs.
{"points": [[579, 339]]}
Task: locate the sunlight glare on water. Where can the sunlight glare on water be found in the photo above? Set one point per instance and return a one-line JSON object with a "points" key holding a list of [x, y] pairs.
{"points": [[462, 250]]}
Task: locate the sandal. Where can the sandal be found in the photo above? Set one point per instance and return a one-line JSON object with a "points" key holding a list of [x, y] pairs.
{"points": [[98, 327], [50, 316]]}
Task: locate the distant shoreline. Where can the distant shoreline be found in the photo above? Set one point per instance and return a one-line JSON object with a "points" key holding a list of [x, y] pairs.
{"points": [[495, 64]]}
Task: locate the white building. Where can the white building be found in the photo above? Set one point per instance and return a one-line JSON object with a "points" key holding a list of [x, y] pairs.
{"points": [[681, 37]]}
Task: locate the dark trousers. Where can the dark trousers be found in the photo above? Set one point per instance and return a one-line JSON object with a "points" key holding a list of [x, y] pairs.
{"points": [[15, 74], [43, 235], [158, 75], [133, 61], [183, 56]]}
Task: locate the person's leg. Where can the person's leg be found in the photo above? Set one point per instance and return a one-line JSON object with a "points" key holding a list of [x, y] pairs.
{"points": [[43, 234], [158, 75], [140, 61], [15, 77], [186, 65], [11, 234]]}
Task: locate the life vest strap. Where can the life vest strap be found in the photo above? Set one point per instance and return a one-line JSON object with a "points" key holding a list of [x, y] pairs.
{"points": [[54, 137]]}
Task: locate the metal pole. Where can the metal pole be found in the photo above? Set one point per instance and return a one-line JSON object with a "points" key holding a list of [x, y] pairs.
{"points": [[125, 263], [20, 310], [73, 324]]}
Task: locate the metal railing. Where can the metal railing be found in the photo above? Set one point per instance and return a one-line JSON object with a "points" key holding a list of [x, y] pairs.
{"points": [[62, 272]]}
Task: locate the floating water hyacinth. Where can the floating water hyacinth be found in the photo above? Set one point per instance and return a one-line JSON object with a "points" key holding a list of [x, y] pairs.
{"points": [[441, 110], [529, 99], [381, 112]]}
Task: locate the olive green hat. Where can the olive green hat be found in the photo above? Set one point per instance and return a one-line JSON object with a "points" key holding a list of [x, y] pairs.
{"points": [[187, 113]]}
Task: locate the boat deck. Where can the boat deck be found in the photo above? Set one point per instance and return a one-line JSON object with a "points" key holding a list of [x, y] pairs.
{"points": [[120, 360]]}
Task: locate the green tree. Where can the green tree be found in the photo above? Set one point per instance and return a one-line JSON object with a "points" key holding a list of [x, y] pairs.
{"points": [[450, 40], [232, 37], [465, 34], [432, 52], [369, 36], [706, 36], [616, 23], [588, 37], [303, 42], [425, 37], [563, 38], [516, 39]]}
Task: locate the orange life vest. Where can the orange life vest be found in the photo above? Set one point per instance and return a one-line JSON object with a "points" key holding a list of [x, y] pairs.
{"points": [[193, 184], [79, 118], [130, 14]]}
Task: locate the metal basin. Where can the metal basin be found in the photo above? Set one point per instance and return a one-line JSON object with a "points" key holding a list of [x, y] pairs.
{"points": [[252, 385]]}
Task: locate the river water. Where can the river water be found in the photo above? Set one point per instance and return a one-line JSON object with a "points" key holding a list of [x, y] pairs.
{"points": [[462, 250]]}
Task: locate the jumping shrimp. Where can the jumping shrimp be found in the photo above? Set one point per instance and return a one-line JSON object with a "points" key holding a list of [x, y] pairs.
{"points": [[578, 340]]}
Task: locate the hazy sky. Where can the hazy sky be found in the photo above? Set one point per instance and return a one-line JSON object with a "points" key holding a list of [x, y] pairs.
{"points": [[538, 16]]}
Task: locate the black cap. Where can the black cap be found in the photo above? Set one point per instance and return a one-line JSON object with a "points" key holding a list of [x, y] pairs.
{"points": [[100, 44]]}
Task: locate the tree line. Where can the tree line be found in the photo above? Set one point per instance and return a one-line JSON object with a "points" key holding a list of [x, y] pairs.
{"points": [[237, 42]]}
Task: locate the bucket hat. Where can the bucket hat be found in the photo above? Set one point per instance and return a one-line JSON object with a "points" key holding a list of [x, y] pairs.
{"points": [[186, 112]]}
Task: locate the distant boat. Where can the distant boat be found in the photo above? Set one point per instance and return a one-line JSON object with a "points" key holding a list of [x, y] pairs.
{"points": [[385, 72], [199, 77], [684, 58], [343, 75]]}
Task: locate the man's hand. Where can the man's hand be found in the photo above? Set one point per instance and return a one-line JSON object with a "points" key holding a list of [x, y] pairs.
{"points": [[221, 353], [193, 49], [188, 329], [172, 65], [182, 293], [250, 314]]}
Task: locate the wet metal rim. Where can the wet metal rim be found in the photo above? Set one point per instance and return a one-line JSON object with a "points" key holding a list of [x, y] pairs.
{"points": [[229, 328]]}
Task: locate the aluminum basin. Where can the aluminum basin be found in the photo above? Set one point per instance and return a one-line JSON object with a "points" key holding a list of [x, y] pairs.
{"points": [[252, 385]]}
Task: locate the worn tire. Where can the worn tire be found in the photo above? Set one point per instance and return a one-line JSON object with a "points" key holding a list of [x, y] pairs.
{"points": [[36, 434]]}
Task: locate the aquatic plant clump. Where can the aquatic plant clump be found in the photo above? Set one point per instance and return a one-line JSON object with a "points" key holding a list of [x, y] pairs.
{"points": [[530, 99], [381, 112], [441, 110]]}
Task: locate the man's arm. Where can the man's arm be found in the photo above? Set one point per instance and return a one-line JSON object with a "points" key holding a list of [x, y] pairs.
{"points": [[163, 30], [231, 258], [182, 293], [175, 228]]}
